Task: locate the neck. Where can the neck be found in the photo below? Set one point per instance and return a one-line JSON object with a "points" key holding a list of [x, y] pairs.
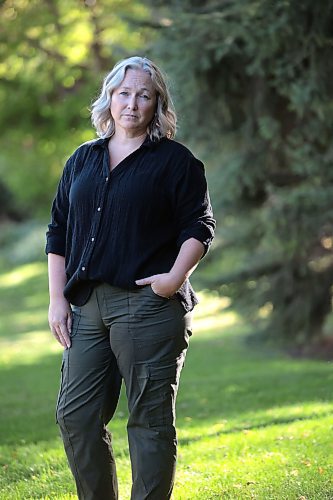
{"points": [[126, 138]]}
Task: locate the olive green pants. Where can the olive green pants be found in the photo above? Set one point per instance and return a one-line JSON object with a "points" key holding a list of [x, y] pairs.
{"points": [[142, 338]]}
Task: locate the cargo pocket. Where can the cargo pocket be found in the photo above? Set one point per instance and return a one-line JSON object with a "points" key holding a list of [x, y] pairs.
{"points": [[162, 390]]}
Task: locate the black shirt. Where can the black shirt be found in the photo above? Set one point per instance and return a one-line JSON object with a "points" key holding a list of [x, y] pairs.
{"points": [[120, 226]]}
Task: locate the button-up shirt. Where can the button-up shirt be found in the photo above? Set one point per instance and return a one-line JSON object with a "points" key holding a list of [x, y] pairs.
{"points": [[129, 223]]}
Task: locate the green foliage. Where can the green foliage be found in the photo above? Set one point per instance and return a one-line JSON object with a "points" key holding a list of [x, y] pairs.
{"points": [[54, 55], [254, 90], [254, 96]]}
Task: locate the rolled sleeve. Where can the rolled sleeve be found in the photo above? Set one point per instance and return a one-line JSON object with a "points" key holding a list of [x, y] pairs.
{"points": [[57, 229], [193, 210]]}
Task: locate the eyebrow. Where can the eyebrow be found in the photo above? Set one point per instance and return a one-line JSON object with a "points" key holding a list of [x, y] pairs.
{"points": [[129, 88]]}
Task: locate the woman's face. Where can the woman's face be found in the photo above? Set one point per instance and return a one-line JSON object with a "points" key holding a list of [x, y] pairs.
{"points": [[133, 103]]}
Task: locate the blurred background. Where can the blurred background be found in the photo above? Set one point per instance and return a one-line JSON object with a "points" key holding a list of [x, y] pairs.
{"points": [[252, 82]]}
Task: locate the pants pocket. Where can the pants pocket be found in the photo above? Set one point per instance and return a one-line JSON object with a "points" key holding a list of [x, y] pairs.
{"points": [[61, 390], [76, 317], [159, 386], [157, 294]]}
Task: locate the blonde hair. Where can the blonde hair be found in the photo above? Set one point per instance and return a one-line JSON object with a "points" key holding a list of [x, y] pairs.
{"points": [[164, 122]]}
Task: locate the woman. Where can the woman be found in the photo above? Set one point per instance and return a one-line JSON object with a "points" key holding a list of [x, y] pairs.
{"points": [[130, 221]]}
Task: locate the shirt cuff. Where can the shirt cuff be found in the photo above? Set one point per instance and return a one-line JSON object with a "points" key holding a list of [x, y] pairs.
{"points": [[55, 244], [201, 234]]}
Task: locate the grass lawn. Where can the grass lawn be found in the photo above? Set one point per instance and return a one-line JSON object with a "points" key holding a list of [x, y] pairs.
{"points": [[252, 423]]}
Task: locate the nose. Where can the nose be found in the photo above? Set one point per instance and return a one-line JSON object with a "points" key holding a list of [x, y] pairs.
{"points": [[132, 103]]}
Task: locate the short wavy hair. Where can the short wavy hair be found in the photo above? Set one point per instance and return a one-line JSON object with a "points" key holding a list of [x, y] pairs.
{"points": [[165, 120]]}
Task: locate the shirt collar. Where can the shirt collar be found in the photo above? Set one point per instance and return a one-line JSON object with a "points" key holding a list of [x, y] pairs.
{"points": [[103, 143]]}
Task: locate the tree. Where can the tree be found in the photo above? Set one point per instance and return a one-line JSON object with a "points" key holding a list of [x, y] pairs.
{"points": [[255, 78], [54, 54]]}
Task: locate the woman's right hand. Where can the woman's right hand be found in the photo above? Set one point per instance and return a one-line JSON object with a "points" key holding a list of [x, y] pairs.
{"points": [[60, 320]]}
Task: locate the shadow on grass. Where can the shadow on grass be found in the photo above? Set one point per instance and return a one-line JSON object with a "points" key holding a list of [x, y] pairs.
{"points": [[221, 380], [225, 379], [246, 427]]}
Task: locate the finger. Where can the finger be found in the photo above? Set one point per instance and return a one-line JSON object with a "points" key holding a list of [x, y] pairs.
{"points": [[65, 335], [57, 334], [158, 293], [61, 333], [146, 281]]}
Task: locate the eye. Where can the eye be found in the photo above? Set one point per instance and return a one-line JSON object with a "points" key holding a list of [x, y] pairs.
{"points": [[123, 92], [144, 96]]}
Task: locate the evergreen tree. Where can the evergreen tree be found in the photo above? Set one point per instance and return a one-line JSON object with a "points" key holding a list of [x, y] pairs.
{"points": [[254, 90]]}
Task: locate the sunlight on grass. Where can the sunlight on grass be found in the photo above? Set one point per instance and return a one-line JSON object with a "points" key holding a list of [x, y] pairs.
{"points": [[252, 423], [21, 274], [211, 314], [24, 319], [27, 349], [212, 323], [281, 462], [210, 304], [310, 410], [191, 429]]}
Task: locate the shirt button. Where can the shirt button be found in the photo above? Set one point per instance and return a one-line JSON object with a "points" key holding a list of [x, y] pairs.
{"points": [[92, 239], [99, 209], [83, 268], [106, 179]]}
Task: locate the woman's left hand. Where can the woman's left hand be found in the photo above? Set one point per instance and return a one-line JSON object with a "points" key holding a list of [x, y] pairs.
{"points": [[164, 284]]}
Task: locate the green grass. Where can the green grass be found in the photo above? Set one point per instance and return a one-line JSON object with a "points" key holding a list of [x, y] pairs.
{"points": [[252, 423]]}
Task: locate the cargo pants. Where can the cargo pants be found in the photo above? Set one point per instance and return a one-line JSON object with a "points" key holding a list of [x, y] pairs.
{"points": [[139, 337]]}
